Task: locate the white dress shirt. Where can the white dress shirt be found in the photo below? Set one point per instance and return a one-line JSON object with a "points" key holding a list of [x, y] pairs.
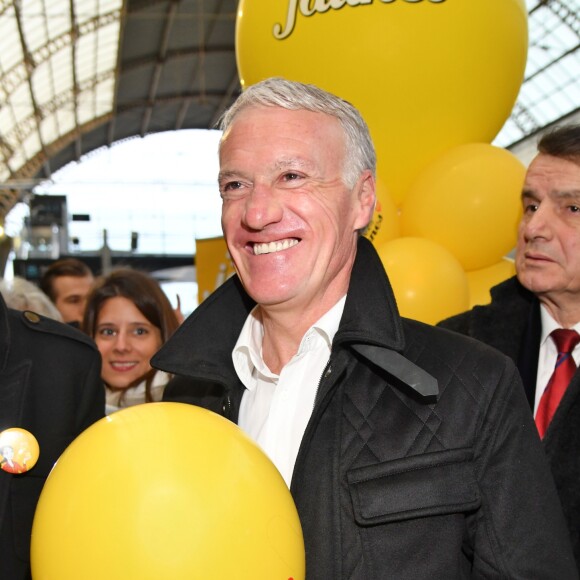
{"points": [[549, 354], [275, 409]]}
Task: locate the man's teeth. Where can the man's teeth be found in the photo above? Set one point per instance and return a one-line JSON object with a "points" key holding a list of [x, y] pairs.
{"points": [[273, 247]]}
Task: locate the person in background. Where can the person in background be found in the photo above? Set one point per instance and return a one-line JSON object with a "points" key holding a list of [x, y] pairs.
{"points": [[129, 317], [532, 312], [20, 294], [50, 386], [67, 283], [409, 450]]}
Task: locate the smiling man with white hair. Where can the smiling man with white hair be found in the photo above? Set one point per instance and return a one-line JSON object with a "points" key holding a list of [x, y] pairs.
{"points": [[409, 450]]}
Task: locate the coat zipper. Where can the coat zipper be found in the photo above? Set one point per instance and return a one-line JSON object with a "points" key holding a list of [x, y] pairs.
{"points": [[325, 374]]}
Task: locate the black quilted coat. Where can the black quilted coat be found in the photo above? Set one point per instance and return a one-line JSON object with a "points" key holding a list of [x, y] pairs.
{"points": [[421, 458]]}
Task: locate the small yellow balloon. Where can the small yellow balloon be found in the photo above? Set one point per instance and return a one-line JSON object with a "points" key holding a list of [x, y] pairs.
{"points": [[468, 201], [427, 75], [429, 283], [384, 224], [481, 281], [165, 490]]}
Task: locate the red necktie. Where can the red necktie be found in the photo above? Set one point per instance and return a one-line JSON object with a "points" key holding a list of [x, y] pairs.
{"points": [[564, 370]]}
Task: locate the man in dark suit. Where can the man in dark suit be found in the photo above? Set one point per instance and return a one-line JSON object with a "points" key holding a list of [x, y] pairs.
{"points": [[50, 390], [543, 297]]}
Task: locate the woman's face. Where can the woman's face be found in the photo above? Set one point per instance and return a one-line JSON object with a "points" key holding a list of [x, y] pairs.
{"points": [[126, 341]]}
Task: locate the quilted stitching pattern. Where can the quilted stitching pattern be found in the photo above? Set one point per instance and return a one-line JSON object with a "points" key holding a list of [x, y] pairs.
{"points": [[396, 424]]}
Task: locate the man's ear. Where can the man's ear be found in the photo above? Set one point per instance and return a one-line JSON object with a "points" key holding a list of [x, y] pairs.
{"points": [[366, 198]]}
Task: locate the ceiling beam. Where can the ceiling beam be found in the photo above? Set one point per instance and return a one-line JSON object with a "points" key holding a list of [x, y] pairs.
{"points": [[159, 63]]}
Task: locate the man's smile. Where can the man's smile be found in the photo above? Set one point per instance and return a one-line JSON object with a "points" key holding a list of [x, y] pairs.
{"points": [[271, 247]]}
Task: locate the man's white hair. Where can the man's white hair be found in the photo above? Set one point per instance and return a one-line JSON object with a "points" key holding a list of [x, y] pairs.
{"points": [[278, 92]]}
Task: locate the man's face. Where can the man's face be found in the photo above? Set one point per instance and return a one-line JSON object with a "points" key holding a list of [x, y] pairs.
{"points": [[71, 296], [289, 221], [548, 248]]}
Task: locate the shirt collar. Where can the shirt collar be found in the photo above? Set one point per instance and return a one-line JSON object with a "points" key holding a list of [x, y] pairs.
{"points": [[549, 324], [247, 353], [327, 325]]}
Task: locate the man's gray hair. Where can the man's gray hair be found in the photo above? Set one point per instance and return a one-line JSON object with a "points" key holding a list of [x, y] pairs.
{"points": [[278, 92]]}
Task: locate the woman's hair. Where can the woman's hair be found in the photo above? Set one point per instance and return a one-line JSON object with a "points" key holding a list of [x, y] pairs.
{"points": [[147, 296]]}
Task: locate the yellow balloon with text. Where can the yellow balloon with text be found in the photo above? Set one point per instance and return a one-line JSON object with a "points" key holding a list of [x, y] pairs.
{"points": [[427, 75], [428, 282], [165, 490], [467, 200], [481, 281]]}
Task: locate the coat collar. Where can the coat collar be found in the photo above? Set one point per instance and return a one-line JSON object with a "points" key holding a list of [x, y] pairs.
{"points": [[370, 312], [505, 322], [202, 345], [371, 325]]}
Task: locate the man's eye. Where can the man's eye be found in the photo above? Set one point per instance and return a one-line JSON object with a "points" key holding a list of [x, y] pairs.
{"points": [[232, 186], [530, 207], [291, 176], [231, 190], [574, 208]]}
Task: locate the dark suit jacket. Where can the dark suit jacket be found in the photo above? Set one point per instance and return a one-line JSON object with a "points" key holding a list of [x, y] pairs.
{"points": [[49, 385], [512, 324]]}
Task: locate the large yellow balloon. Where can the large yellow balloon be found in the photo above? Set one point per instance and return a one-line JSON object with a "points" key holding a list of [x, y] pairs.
{"points": [[481, 281], [428, 282], [165, 491], [468, 200], [426, 74]]}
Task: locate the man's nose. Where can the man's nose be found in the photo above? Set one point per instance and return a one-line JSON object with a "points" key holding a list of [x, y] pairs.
{"points": [[537, 224], [263, 207]]}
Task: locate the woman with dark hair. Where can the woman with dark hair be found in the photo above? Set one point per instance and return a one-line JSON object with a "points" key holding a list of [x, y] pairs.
{"points": [[129, 317]]}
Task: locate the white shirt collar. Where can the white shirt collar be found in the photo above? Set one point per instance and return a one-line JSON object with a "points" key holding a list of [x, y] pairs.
{"points": [[549, 324], [247, 354]]}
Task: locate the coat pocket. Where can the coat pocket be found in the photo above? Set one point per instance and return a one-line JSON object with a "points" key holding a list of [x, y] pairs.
{"points": [[438, 483]]}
